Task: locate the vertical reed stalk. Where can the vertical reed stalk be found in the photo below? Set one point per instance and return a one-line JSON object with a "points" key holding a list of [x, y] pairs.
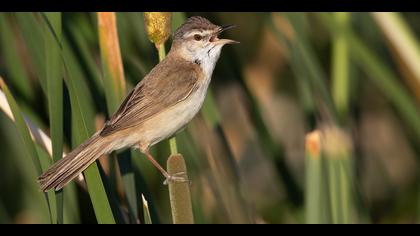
{"points": [[340, 68], [315, 192], [337, 149]]}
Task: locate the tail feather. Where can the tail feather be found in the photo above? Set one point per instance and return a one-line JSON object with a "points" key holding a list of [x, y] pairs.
{"points": [[68, 168]]}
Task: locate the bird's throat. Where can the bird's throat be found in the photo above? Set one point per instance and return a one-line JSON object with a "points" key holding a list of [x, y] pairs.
{"points": [[207, 64]]}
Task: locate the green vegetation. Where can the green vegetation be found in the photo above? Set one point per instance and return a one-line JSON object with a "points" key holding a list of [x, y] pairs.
{"points": [[313, 118]]}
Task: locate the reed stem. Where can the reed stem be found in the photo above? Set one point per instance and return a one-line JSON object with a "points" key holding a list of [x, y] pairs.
{"points": [[172, 141]]}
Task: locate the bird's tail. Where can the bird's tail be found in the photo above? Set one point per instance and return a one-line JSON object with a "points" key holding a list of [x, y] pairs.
{"points": [[66, 169]]}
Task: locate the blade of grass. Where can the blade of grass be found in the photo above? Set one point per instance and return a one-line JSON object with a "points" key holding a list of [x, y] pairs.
{"points": [[141, 185], [9, 40], [29, 146], [87, 58], [147, 218], [402, 39], [127, 173], [114, 82], [83, 127], [32, 32], [302, 54], [340, 68], [284, 32], [52, 33], [79, 92], [317, 76]]}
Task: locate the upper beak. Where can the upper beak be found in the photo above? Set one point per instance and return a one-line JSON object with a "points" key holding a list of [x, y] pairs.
{"points": [[225, 27], [225, 41]]}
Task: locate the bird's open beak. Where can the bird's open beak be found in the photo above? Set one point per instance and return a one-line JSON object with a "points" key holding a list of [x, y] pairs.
{"points": [[216, 40]]}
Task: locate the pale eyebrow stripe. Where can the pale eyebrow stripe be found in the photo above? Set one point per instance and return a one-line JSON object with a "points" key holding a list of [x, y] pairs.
{"points": [[200, 32]]}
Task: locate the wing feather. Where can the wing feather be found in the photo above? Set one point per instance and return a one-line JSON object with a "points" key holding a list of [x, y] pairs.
{"points": [[164, 86]]}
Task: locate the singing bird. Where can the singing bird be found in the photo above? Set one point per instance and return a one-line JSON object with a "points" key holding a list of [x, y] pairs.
{"points": [[161, 104]]}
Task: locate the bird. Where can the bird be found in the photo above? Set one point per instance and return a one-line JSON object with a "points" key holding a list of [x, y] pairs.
{"points": [[159, 106]]}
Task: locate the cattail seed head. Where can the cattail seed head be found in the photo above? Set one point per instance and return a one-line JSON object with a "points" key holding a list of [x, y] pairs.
{"points": [[158, 26]]}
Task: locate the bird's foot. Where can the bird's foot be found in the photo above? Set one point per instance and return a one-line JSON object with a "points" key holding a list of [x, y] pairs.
{"points": [[176, 178]]}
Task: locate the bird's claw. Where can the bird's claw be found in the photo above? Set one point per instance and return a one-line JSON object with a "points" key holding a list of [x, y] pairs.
{"points": [[176, 178]]}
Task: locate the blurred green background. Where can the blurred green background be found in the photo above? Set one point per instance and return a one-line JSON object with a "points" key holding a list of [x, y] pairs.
{"points": [[312, 118]]}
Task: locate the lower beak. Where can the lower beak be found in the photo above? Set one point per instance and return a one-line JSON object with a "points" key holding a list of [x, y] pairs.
{"points": [[226, 41]]}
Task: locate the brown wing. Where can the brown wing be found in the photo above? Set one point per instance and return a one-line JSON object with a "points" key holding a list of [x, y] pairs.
{"points": [[165, 86]]}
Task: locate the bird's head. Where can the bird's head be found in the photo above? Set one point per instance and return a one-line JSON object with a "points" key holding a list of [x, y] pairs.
{"points": [[197, 40]]}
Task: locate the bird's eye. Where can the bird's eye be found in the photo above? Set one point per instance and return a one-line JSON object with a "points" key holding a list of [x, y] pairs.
{"points": [[197, 37]]}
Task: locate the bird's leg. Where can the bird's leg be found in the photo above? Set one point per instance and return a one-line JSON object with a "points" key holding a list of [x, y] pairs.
{"points": [[178, 178]]}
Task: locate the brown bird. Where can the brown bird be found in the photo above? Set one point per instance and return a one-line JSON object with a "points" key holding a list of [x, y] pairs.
{"points": [[161, 104]]}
